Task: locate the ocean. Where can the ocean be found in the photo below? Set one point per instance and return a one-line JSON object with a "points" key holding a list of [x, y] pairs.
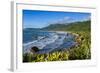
{"points": [[46, 41]]}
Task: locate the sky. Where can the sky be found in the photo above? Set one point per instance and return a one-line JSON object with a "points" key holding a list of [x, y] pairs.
{"points": [[40, 19]]}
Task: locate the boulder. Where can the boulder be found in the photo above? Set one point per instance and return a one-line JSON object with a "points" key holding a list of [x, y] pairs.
{"points": [[34, 49]]}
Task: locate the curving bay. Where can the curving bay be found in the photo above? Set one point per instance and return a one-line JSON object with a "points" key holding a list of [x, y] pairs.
{"points": [[52, 41]]}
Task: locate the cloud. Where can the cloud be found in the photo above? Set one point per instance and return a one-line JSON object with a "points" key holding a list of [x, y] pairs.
{"points": [[64, 20], [86, 18]]}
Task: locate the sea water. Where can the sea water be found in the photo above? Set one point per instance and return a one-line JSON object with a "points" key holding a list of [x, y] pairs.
{"points": [[46, 41]]}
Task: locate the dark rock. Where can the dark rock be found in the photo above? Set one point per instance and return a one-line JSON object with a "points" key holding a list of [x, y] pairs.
{"points": [[34, 49]]}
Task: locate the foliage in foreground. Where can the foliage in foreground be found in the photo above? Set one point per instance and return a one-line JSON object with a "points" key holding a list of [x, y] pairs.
{"points": [[82, 51], [79, 52], [55, 56]]}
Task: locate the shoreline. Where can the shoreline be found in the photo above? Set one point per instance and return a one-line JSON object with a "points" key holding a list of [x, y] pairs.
{"points": [[60, 34]]}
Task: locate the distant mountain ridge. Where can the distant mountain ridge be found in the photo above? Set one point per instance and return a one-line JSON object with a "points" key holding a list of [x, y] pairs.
{"points": [[76, 26]]}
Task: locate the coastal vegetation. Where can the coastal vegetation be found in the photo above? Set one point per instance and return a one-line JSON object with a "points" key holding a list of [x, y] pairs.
{"points": [[81, 51]]}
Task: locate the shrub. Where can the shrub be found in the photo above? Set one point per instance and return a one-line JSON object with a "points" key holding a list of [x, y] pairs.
{"points": [[27, 57]]}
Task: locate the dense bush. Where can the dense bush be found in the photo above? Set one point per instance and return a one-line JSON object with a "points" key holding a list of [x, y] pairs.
{"points": [[27, 57], [82, 51], [55, 56]]}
